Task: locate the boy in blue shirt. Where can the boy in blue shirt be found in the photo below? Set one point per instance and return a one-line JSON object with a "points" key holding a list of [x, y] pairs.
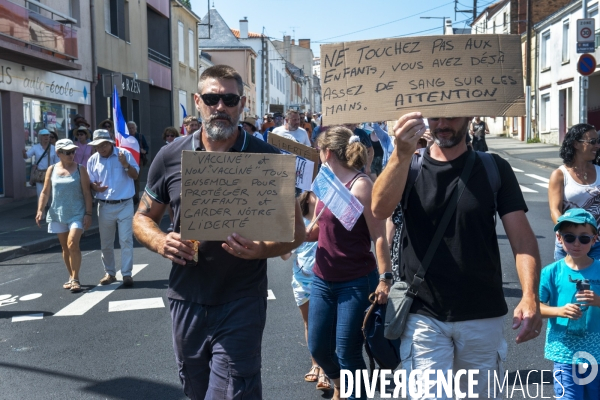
{"points": [[569, 299]]}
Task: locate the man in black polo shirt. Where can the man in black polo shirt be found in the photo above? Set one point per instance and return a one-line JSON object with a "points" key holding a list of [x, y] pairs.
{"points": [[218, 305]]}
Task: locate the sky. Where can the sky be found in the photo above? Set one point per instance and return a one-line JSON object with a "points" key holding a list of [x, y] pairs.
{"points": [[331, 21]]}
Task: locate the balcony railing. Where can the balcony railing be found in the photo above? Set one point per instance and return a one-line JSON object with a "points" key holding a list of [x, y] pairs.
{"points": [[38, 31], [159, 57]]}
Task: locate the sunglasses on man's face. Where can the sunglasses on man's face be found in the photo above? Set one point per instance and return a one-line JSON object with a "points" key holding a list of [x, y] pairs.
{"points": [[67, 153], [570, 238], [212, 99]]}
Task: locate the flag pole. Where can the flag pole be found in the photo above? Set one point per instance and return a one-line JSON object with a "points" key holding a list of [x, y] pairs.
{"points": [[316, 219]]}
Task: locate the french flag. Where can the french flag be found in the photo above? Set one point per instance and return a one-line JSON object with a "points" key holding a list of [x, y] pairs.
{"points": [[183, 132], [122, 137]]}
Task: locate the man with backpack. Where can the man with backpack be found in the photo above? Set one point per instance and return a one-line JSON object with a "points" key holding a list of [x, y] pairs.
{"points": [[457, 315]]}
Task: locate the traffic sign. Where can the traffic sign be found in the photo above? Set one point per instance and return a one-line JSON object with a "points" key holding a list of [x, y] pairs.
{"points": [[583, 48], [586, 64], [585, 30]]}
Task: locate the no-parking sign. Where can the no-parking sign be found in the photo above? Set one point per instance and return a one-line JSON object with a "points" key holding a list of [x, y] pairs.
{"points": [[586, 64]]}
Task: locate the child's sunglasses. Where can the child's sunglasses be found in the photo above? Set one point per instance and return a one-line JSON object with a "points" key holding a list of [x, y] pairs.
{"points": [[570, 238]]}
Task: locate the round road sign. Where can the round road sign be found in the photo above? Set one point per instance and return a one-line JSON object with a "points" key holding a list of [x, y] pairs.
{"points": [[586, 64]]}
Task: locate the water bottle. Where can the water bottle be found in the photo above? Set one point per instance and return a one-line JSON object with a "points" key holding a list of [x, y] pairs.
{"points": [[577, 327]]}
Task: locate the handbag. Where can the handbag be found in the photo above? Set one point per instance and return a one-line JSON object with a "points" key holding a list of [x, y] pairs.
{"points": [[401, 294], [39, 175], [384, 351]]}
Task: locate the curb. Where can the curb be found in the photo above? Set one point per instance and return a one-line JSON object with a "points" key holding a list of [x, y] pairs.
{"points": [[536, 161], [38, 245]]}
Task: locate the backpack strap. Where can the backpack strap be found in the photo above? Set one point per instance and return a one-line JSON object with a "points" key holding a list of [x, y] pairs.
{"points": [[493, 174], [416, 162]]}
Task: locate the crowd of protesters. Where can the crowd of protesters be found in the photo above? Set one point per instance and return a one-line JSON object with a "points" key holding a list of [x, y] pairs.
{"points": [[457, 317]]}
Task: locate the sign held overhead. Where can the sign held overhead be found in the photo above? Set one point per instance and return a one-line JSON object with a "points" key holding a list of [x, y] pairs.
{"points": [[440, 76]]}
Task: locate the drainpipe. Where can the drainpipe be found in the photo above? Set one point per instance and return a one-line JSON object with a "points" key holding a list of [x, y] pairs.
{"points": [[94, 61]]}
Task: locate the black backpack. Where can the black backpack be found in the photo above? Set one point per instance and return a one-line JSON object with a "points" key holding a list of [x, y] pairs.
{"points": [[384, 351]]}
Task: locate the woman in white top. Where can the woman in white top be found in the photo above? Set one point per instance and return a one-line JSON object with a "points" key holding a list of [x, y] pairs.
{"points": [[576, 184], [38, 150]]}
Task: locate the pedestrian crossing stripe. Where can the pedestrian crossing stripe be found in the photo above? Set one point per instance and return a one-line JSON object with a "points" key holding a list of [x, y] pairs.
{"points": [[96, 295], [137, 304], [527, 190]]}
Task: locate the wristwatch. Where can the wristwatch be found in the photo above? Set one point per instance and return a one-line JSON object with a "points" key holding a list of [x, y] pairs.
{"points": [[127, 168], [386, 276]]}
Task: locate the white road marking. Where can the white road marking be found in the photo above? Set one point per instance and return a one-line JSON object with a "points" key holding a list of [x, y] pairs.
{"points": [[539, 178], [96, 295], [87, 254], [9, 281], [517, 169], [527, 190], [30, 296], [5, 296], [139, 304], [544, 185], [28, 317], [271, 296]]}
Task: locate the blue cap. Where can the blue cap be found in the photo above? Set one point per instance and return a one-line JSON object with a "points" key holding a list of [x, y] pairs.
{"points": [[44, 132], [576, 216]]}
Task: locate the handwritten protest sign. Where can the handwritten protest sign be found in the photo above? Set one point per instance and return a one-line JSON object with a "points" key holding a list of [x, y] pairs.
{"points": [[250, 194], [441, 76], [296, 148]]}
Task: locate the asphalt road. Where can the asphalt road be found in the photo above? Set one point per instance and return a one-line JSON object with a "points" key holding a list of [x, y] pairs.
{"points": [[92, 346]]}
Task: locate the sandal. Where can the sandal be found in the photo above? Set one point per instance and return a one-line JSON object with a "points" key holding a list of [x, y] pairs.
{"points": [[67, 285], [324, 383], [313, 374], [75, 286]]}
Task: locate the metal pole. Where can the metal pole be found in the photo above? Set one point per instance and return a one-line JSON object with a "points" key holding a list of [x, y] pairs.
{"points": [[528, 111], [583, 80], [474, 10]]}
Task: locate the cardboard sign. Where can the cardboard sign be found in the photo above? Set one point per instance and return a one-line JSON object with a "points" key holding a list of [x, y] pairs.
{"points": [[440, 76], [249, 194], [296, 148]]}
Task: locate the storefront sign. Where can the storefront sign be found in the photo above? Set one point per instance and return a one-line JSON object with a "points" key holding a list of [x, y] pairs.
{"points": [[31, 81]]}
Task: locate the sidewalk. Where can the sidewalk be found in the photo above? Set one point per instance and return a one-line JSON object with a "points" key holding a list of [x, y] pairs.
{"points": [[539, 153], [19, 234]]}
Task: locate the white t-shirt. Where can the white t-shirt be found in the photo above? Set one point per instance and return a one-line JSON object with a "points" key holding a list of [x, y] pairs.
{"points": [[299, 134]]}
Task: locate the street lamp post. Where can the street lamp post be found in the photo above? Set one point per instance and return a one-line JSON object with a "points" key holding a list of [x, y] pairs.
{"points": [[443, 22]]}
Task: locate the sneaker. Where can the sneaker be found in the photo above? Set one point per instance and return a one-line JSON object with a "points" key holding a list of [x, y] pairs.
{"points": [[108, 279], [127, 281]]}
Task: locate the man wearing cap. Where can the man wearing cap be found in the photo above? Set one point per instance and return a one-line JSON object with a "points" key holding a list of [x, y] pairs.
{"points": [[458, 313], [45, 155], [112, 172], [277, 122], [267, 123]]}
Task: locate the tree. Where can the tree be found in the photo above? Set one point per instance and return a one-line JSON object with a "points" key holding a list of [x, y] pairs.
{"points": [[187, 4]]}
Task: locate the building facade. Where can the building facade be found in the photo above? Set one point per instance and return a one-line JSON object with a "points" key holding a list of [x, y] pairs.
{"points": [[133, 51], [184, 31], [46, 77], [557, 88], [271, 71], [217, 40]]}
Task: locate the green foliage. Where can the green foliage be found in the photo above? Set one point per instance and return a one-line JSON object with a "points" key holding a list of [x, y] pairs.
{"points": [[187, 4], [534, 140]]}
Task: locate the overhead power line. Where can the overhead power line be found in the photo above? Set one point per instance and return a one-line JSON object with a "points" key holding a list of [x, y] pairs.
{"points": [[386, 23]]}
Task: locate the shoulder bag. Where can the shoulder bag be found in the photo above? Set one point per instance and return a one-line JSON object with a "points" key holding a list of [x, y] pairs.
{"points": [[401, 294], [39, 175]]}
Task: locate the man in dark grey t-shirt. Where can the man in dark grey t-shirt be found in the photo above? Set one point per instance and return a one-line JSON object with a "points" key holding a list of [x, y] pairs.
{"points": [[218, 305]]}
